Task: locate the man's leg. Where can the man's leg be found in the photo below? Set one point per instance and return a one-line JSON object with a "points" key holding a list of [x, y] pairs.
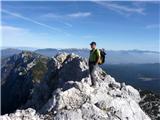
{"points": [[92, 69]]}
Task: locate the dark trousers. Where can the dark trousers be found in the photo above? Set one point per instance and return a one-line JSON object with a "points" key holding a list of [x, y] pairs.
{"points": [[92, 69]]}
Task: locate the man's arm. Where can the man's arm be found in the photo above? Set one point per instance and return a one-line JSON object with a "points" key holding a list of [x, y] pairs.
{"points": [[98, 60], [98, 56]]}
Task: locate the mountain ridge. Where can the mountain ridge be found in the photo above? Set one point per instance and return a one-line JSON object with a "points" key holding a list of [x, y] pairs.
{"points": [[34, 49], [112, 57], [63, 91]]}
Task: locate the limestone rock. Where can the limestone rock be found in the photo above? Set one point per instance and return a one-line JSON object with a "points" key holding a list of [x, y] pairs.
{"points": [[28, 114], [66, 94]]}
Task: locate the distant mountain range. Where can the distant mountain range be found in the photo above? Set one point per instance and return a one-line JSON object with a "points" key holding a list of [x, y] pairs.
{"points": [[112, 57], [9, 52]]}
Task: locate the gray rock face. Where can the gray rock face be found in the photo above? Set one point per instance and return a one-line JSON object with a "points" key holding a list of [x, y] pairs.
{"points": [[150, 102], [61, 68], [28, 114], [74, 99], [18, 78], [73, 69]]}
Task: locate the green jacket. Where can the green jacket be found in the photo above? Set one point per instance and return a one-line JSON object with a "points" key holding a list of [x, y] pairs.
{"points": [[94, 55]]}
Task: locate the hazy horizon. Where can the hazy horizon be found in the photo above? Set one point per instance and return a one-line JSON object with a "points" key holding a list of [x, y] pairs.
{"points": [[19, 47]]}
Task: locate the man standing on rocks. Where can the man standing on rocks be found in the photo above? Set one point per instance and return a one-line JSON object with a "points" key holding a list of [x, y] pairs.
{"points": [[94, 59]]}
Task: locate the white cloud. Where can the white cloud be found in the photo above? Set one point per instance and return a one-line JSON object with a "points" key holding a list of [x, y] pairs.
{"points": [[21, 37], [13, 32], [68, 24], [12, 35], [62, 18], [122, 9], [31, 20], [51, 15], [54, 29], [152, 26], [79, 14], [65, 16], [11, 28]]}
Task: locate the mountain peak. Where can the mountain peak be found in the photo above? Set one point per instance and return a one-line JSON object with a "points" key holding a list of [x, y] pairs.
{"points": [[64, 92]]}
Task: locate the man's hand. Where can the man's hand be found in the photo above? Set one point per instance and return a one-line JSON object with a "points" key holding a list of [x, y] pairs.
{"points": [[98, 60]]}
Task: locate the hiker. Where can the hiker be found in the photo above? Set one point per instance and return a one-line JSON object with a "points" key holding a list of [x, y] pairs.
{"points": [[94, 60], [97, 57]]}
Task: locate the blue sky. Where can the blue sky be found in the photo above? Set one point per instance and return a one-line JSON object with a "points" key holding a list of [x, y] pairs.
{"points": [[113, 25]]}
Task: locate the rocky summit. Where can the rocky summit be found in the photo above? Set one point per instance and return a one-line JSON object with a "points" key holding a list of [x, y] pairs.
{"points": [[59, 88]]}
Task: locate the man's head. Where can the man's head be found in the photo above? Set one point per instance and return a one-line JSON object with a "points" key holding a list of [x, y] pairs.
{"points": [[93, 45]]}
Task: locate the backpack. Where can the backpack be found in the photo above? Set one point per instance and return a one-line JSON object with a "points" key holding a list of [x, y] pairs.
{"points": [[102, 53]]}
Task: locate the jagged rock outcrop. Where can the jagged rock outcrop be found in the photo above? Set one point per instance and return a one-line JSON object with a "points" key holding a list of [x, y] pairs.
{"points": [[20, 73], [150, 103], [70, 96], [101, 103]]}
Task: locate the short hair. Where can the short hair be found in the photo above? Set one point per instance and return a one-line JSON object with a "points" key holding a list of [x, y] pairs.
{"points": [[93, 43]]}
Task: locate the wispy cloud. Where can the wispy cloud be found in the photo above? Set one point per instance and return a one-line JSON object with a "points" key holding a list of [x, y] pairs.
{"points": [[68, 24], [55, 17], [152, 26], [65, 16], [122, 9], [5, 28], [79, 14], [52, 15], [31, 20], [16, 36]]}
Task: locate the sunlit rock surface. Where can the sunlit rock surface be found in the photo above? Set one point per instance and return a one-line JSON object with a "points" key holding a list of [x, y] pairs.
{"points": [[65, 93]]}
